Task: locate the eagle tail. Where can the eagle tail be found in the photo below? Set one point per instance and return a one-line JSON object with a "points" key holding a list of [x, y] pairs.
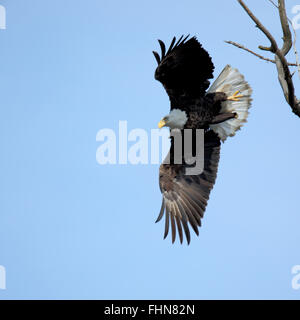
{"points": [[230, 81]]}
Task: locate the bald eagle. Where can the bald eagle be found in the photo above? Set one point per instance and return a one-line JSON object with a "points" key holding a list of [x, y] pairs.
{"points": [[184, 71]]}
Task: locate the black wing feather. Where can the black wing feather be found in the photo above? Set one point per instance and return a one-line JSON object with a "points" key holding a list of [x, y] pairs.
{"points": [[184, 70], [163, 49], [171, 45], [157, 57]]}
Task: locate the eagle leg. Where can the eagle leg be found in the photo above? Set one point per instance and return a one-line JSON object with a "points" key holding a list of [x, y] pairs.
{"points": [[223, 117], [235, 97]]}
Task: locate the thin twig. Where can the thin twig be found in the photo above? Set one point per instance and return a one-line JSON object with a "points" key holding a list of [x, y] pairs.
{"points": [[256, 54], [274, 4]]}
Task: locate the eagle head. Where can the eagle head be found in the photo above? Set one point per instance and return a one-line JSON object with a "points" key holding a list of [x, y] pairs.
{"points": [[176, 119]]}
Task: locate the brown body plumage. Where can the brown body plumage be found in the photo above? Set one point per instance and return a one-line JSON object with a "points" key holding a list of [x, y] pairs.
{"points": [[185, 70]]}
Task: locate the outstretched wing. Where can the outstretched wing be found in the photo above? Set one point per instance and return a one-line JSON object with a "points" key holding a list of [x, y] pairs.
{"points": [[185, 196], [184, 69]]}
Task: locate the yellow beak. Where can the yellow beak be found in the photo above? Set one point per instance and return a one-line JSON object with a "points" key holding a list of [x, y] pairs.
{"points": [[161, 123]]}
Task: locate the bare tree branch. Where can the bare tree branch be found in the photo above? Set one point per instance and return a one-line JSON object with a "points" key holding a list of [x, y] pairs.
{"points": [[295, 39], [296, 51], [287, 35], [256, 54], [295, 47], [284, 74], [261, 27]]}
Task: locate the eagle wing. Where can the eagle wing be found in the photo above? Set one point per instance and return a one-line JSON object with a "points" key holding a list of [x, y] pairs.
{"points": [[184, 69], [185, 196]]}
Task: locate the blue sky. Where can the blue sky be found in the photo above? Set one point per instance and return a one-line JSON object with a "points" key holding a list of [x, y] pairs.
{"points": [[72, 229]]}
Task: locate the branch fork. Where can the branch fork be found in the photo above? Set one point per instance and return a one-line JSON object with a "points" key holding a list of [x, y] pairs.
{"points": [[282, 65]]}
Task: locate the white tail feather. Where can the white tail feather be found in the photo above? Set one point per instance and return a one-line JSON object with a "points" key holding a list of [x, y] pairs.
{"points": [[230, 81]]}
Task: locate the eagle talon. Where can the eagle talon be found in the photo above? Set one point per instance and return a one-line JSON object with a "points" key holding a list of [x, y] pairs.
{"points": [[235, 97]]}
